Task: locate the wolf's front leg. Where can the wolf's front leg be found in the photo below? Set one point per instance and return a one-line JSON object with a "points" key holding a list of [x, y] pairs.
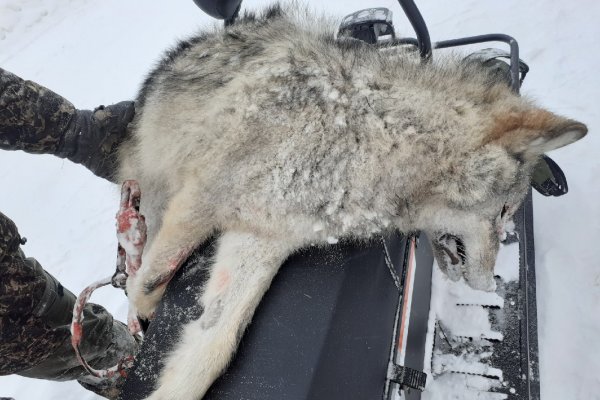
{"points": [[243, 268], [184, 226]]}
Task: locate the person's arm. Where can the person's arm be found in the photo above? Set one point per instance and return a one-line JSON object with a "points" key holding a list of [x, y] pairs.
{"points": [[37, 120]]}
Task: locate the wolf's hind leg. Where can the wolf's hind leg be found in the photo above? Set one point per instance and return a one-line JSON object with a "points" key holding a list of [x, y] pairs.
{"points": [[243, 268], [184, 227]]}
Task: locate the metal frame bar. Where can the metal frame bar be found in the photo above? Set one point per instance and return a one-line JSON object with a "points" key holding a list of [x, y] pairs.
{"points": [[529, 336], [492, 37], [425, 47], [418, 23]]}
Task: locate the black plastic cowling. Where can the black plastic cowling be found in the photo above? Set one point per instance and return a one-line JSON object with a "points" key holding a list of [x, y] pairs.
{"points": [[220, 9]]}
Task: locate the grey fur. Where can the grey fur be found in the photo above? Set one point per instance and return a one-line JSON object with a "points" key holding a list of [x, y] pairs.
{"points": [[278, 136], [213, 312]]}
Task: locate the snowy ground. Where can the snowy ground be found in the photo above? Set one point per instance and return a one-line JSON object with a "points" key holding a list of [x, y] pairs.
{"points": [[98, 52]]}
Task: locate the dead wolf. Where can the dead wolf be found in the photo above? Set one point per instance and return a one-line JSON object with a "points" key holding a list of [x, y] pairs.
{"points": [[276, 136]]}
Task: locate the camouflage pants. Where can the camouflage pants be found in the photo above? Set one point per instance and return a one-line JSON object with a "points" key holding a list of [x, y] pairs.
{"points": [[35, 317]]}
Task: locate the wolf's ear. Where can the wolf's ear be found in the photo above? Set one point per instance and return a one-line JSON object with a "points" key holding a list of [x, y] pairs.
{"points": [[534, 132]]}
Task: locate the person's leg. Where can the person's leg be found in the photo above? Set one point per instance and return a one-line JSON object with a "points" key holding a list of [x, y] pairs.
{"points": [[35, 317]]}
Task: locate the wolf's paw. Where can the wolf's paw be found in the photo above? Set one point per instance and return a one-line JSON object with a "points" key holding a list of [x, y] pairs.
{"points": [[143, 296]]}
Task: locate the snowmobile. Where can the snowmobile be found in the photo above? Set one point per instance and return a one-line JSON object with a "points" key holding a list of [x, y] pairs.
{"points": [[367, 321]]}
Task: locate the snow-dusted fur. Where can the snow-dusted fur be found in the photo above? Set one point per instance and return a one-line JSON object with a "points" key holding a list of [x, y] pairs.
{"points": [[275, 135]]}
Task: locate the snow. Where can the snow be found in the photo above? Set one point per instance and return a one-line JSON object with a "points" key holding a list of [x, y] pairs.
{"points": [[98, 52], [332, 240], [458, 310], [455, 304], [506, 267], [465, 363], [447, 387]]}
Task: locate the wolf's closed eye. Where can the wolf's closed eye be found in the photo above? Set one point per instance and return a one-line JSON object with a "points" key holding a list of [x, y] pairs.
{"points": [[504, 210]]}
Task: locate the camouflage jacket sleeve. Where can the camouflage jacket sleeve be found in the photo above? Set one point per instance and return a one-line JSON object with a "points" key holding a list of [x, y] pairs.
{"points": [[37, 120]]}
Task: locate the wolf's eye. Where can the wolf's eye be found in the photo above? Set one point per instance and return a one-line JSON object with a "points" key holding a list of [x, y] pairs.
{"points": [[504, 210]]}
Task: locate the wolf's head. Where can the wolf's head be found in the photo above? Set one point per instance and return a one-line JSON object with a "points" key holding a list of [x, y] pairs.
{"points": [[485, 187]]}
